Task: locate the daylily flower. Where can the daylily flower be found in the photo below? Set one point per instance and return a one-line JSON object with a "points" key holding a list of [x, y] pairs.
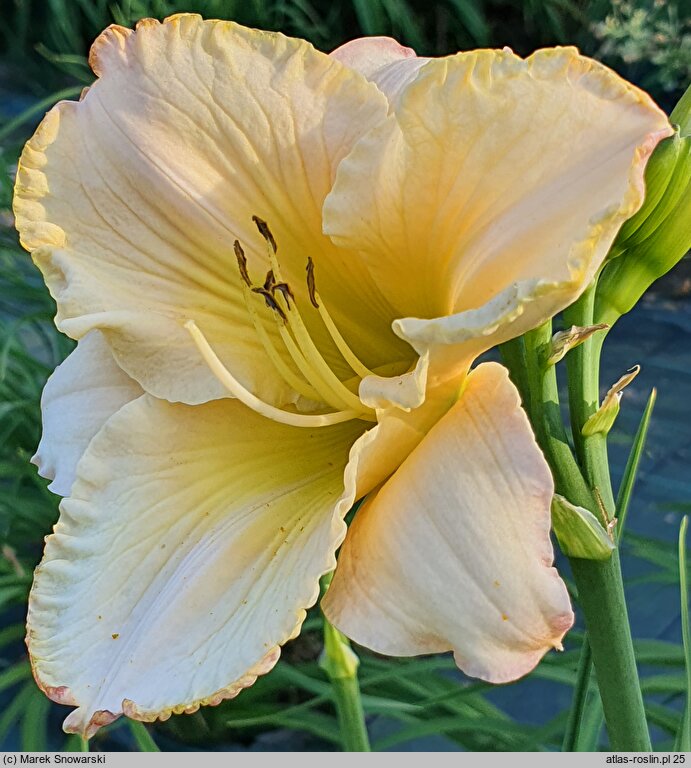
{"points": [[280, 267]]}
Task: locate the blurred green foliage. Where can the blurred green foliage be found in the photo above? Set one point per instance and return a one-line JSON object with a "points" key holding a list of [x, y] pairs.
{"points": [[646, 40], [651, 41]]}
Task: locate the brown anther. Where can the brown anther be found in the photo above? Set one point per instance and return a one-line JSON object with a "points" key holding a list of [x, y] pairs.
{"points": [[265, 232], [284, 288], [271, 303], [269, 281], [272, 286], [242, 262], [311, 284]]}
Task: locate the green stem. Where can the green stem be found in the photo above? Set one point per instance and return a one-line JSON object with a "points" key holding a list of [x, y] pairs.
{"points": [[576, 737], [547, 422], [340, 664], [513, 354], [599, 583], [583, 370], [601, 595], [580, 697], [351, 718]]}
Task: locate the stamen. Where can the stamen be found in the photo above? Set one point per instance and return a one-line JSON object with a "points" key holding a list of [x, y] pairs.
{"points": [[271, 286], [320, 394], [291, 378], [348, 355], [311, 284], [327, 393], [271, 302], [265, 232], [253, 402], [294, 320], [317, 362], [242, 263], [284, 288]]}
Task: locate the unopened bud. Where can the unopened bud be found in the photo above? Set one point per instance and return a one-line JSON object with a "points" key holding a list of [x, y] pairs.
{"points": [[579, 532], [338, 659], [563, 341], [651, 242], [603, 419]]}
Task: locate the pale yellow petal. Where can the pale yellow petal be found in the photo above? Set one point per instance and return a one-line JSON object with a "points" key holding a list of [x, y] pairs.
{"points": [[490, 197], [79, 397], [453, 552], [131, 199], [191, 546], [406, 391], [379, 452], [384, 61], [369, 55]]}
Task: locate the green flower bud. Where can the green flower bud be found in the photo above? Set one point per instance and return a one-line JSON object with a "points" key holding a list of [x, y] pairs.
{"points": [[579, 532], [605, 416], [657, 237], [338, 659], [565, 341]]}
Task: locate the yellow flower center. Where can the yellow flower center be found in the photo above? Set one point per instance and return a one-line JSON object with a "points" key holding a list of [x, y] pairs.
{"points": [[316, 380]]}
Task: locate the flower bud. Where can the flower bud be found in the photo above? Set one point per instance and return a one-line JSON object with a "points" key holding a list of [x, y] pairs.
{"points": [[579, 532], [564, 341], [338, 659], [603, 419], [651, 242]]}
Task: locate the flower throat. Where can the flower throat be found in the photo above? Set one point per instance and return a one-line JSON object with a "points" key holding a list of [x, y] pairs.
{"points": [[314, 379]]}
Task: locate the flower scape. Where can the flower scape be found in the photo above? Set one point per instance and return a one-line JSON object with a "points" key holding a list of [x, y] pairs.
{"points": [[280, 267]]}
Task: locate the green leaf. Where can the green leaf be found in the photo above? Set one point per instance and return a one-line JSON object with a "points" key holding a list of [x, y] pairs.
{"points": [[13, 711], [473, 20], [34, 726], [659, 653], [370, 16], [142, 737], [683, 742], [663, 717], [668, 684], [519, 737], [14, 674], [11, 634], [36, 109], [631, 470], [585, 715]]}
